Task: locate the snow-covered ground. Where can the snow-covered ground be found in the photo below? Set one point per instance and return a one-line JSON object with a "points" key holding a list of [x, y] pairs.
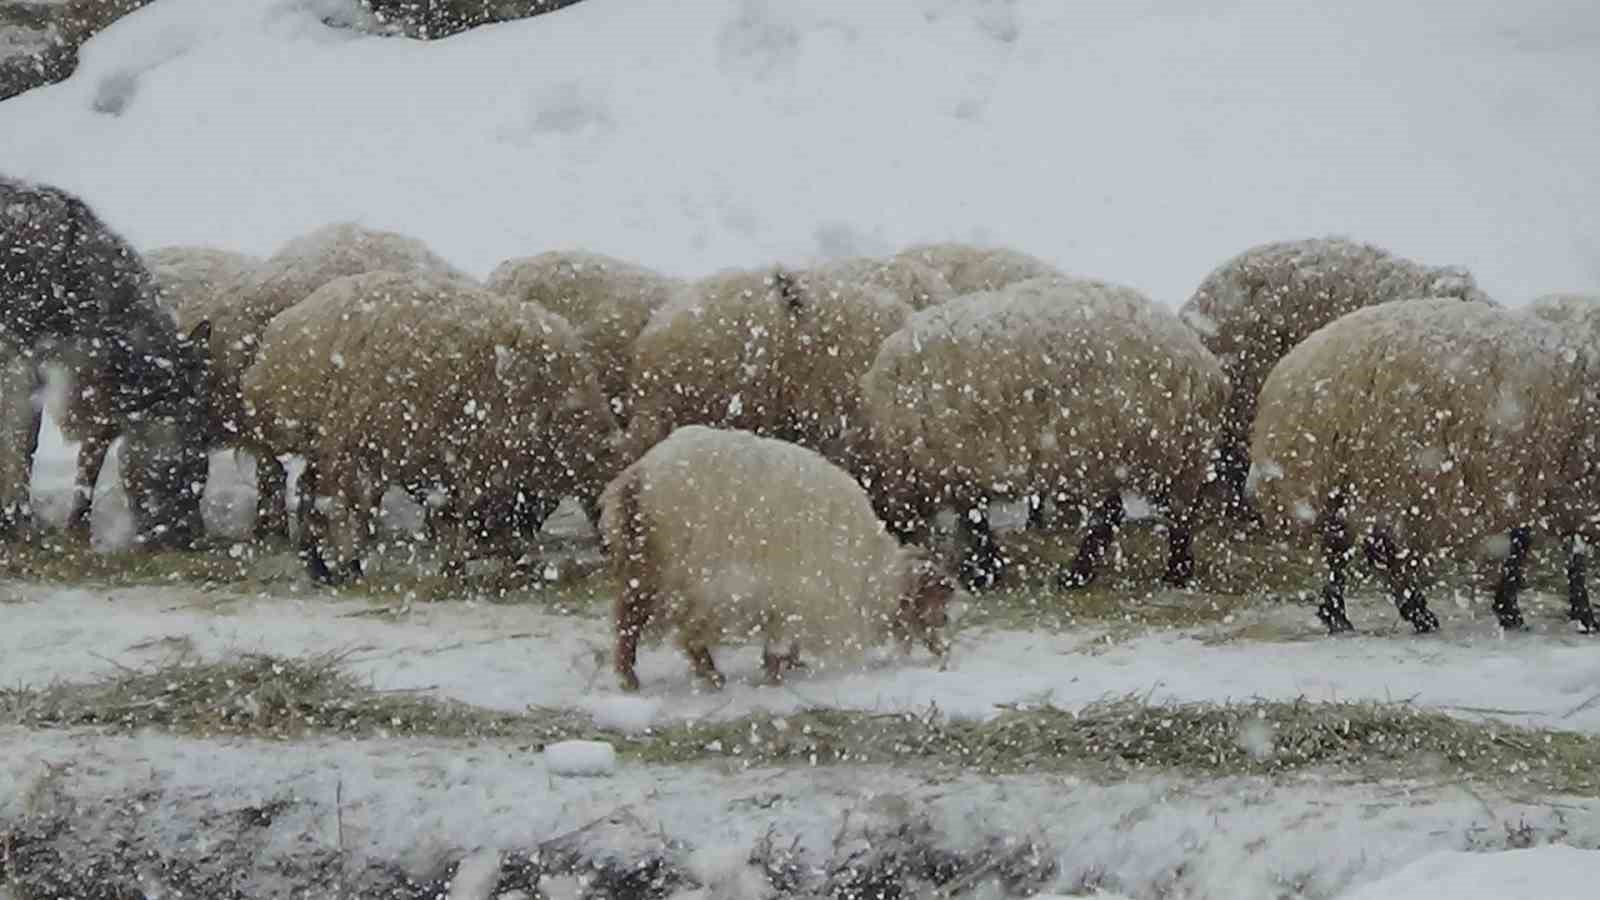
{"points": [[418, 802], [1143, 141], [512, 656]]}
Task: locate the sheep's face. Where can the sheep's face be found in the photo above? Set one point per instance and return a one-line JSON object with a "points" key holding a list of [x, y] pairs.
{"points": [[923, 606]]}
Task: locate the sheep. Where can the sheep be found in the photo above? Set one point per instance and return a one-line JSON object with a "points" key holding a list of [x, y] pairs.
{"points": [[426, 381], [778, 352], [1050, 386], [722, 534], [971, 269], [609, 301], [917, 284], [75, 295], [288, 276], [1576, 511], [1422, 426], [1258, 305]]}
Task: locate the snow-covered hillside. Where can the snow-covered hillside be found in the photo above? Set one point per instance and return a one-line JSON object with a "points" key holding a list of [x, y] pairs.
{"points": [[1141, 141]]}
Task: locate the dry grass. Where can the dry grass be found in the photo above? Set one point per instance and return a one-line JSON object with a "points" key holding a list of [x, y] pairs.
{"points": [[273, 698], [265, 697]]}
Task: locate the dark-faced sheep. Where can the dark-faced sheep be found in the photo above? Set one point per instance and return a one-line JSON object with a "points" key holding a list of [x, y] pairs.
{"points": [[73, 293], [725, 536], [1257, 306], [427, 383], [1052, 386], [1421, 427]]}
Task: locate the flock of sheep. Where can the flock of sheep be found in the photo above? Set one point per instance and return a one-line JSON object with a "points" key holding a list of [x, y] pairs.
{"points": [[764, 450]]}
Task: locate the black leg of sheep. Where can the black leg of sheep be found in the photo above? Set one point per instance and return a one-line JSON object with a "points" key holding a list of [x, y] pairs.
{"points": [[1180, 550], [984, 564], [313, 530], [1577, 586], [1506, 608], [1400, 571], [1103, 527], [1336, 549]]}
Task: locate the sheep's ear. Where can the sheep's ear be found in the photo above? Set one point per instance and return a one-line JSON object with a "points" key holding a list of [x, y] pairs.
{"points": [[201, 336]]}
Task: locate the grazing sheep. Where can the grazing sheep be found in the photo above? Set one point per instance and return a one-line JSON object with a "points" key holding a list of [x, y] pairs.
{"points": [[723, 535], [1423, 426], [1051, 386], [1577, 504], [774, 352], [426, 381], [607, 300], [917, 284], [1258, 305], [287, 277], [970, 269], [75, 295]]}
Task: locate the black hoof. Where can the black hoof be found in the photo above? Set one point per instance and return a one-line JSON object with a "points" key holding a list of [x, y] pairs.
{"points": [[1422, 619], [1337, 622], [1586, 621], [1511, 621], [321, 573], [981, 574]]}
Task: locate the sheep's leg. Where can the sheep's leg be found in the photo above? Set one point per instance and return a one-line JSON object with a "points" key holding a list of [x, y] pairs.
{"points": [[984, 565], [1233, 471], [272, 497], [776, 664], [91, 458], [1578, 587], [1037, 520], [1401, 575], [704, 666], [1103, 527], [1336, 552], [1511, 581], [19, 433], [314, 528], [448, 524], [1180, 548]]}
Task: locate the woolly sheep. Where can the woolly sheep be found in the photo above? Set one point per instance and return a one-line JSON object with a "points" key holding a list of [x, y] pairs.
{"points": [[916, 283], [1422, 425], [1258, 305], [724, 535], [970, 269], [1051, 386], [607, 300], [75, 295], [426, 381], [288, 276], [1577, 502], [777, 352]]}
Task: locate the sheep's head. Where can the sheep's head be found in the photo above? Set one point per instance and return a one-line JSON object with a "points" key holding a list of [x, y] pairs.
{"points": [[922, 614]]}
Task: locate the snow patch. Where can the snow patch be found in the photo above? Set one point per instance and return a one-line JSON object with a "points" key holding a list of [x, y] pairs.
{"points": [[581, 758]]}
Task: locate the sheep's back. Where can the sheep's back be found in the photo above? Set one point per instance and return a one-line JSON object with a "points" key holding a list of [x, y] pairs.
{"points": [[1258, 305], [1050, 381], [972, 269]]}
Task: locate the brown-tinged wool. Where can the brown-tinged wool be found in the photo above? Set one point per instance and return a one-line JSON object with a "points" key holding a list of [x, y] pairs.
{"points": [[1051, 384], [201, 284], [299, 268], [1255, 307], [741, 538], [970, 269], [609, 301], [1439, 421], [768, 351], [1576, 502], [917, 284], [424, 380]]}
